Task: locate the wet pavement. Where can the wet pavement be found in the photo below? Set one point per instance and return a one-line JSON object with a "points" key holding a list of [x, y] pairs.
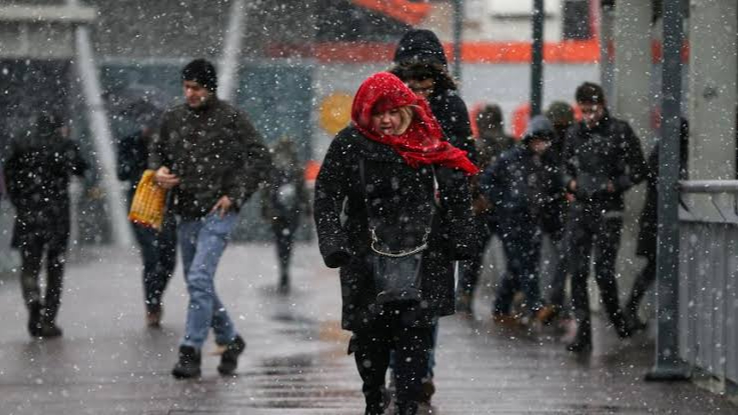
{"points": [[108, 362]]}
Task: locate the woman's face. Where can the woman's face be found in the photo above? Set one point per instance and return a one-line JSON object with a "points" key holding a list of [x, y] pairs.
{"points": [[387, 122]]}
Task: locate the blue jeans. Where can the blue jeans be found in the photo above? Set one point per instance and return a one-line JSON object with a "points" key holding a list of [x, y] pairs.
{"points": [[202, 242]]}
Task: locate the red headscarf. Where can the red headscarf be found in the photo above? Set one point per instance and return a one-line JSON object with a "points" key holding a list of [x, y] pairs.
{"points": [[422, 142]]}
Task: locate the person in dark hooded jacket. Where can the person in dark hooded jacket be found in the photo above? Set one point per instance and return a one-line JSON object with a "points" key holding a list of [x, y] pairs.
{"points": [[284, 201], [38, 171], [491, 142], [158, 247], [521, 188], [420, 62], [647, 235], [377, 213], [603, 159]]}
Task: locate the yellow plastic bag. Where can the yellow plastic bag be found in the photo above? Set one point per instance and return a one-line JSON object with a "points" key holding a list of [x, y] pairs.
{"points": [[149, 202]]}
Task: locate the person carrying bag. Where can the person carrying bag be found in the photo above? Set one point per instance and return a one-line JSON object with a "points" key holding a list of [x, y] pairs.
{"points": [[392, 211]]}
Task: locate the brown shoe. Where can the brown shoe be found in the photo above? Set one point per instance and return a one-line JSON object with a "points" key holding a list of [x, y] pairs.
{"points": [[153, 318], [505, 320], [547, 314]]}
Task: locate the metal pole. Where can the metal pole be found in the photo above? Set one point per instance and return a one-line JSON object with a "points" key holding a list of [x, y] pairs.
{"points": [[668, 365], [229, 62], [458, 22], [536, 65]]}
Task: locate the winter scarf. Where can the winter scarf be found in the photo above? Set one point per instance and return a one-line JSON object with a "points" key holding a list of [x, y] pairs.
{"points": [[423, 142]]}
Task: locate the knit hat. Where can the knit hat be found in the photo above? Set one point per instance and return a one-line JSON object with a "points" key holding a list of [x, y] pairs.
{"points": [[560, 113], [202, 72], [538, 127], [422, 46]]}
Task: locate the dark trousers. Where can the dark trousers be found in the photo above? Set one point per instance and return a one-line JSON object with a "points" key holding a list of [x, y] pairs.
{"points": [[470, 270], [642, 283], [557, 291], [521, 241], [159, 254], [372, 348], [284, 235], [32, 252], [590, 228]]}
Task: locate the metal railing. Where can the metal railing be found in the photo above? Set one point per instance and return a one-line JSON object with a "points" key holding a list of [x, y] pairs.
{"points": [[708, 286]]}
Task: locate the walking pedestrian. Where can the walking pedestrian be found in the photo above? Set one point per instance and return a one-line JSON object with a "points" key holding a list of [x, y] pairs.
{"points": [[420, 62], [213, 160], [647, 238], [38, 169], [522, 187], [603, 160], [158, 247], [397, 241], [284, 201], [491, 142], [561, 116]]}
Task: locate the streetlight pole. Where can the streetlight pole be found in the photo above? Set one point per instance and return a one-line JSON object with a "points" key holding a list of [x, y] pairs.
{"points": [[536, 65]]}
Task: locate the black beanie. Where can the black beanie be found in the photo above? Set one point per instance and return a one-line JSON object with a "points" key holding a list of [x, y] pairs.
{"points": [[420, 46], [202, 72]]}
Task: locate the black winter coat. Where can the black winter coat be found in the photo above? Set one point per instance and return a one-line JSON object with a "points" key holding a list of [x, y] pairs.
{"points": [[133, 154], [400, 193], [215, 152], [451, 112], [521, 186], [609, 152], [37, 173]]}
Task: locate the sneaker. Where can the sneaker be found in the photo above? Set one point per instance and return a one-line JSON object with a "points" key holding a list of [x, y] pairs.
{"points": [[188, 365], [229, 358]]}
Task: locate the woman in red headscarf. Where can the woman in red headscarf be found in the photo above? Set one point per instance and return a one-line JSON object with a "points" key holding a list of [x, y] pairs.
{"points": [[392, 210]]}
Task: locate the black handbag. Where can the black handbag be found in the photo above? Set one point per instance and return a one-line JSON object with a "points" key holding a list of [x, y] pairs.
{"points": [[396, 266]]}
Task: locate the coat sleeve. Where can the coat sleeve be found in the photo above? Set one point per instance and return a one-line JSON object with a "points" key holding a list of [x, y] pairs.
{"points": [[635, 165], [252, 163], [331, 189], [492, 181], [569, 170], [458, 220], [125, 158], [158, 153], [459, 127]]}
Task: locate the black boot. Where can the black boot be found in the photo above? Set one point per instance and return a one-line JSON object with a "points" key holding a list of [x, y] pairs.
{"points": [[229, 358], [188, 365], [406, 408], [583, 340], [48, 326], [34, 319], [284, 284]]}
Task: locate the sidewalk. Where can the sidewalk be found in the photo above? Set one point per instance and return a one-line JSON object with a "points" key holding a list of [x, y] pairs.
{"points": [[108, 362]]}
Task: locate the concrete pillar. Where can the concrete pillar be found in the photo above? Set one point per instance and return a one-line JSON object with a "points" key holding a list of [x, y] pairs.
{"points": [[631, 98], [712, 68], [713, 73]]}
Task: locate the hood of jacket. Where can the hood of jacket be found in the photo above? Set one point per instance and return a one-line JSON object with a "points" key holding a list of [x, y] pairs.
{"points": [[420, 45]]}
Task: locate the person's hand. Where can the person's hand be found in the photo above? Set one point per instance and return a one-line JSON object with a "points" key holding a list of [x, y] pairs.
{"points": [[222, 206], [165, 178]]}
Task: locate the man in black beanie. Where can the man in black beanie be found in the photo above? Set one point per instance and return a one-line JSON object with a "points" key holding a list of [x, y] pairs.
{"points": [[211, 157]]}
